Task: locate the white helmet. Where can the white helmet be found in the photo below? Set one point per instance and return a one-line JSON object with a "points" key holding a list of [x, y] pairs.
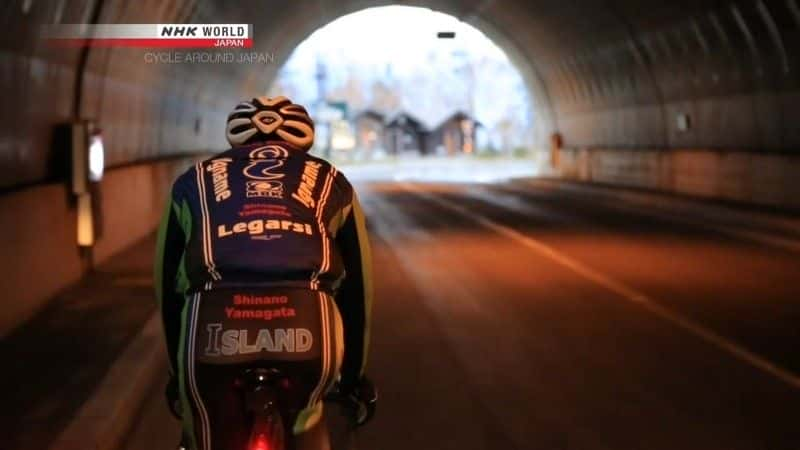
{"points": [[266, 118]]}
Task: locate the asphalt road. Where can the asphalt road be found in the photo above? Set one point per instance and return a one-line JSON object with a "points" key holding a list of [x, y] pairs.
{"points": [[524, 317]]}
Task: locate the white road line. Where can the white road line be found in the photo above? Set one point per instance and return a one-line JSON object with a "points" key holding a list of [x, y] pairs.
{"points": [[628, 293]]}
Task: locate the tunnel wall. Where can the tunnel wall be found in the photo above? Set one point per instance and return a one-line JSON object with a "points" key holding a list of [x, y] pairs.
{"points": [[612, 77], [730, 69], [40, 227], [686, 81], [146, 113], [746, 177], [691, 97], [613, 74], [145, 110]]}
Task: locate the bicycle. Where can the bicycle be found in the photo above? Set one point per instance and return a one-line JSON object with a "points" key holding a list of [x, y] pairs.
{"points": [[263, 397]]}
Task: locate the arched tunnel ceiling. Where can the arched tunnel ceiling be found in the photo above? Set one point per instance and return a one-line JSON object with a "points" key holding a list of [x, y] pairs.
{"points": [[605, 73]]}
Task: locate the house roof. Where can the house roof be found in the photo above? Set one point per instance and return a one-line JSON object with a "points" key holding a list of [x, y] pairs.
{"points": [[369, 112], [403, 116], [395, 118], [457, 116]]}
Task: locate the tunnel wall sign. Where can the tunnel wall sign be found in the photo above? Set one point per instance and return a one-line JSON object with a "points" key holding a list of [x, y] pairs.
{"points": [[162, 35], [88, 164]]}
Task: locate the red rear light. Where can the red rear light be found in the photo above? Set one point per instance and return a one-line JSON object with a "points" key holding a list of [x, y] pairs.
{"points": [[260, 443]]}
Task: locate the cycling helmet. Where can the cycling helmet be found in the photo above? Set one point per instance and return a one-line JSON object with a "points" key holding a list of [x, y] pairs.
{"points": [[265, 118]]}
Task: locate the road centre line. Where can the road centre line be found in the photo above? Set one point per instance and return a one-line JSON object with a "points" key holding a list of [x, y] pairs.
{"points": [[628, 293]]}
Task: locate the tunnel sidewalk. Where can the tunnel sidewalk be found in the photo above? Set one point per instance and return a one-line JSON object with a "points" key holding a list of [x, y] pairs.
{"points": [[777, 227], [53, 363]]}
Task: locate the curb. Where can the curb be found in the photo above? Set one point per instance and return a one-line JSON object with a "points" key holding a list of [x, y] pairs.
{"points": [[106, 416]]}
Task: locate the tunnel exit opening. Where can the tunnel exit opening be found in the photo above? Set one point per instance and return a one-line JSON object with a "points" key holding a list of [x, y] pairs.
{"points": [[413, 93]]}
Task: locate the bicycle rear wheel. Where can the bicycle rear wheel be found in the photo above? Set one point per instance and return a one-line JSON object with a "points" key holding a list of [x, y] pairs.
{"points": [[268, 433]]}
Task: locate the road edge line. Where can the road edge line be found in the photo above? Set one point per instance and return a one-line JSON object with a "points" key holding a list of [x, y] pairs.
{"points": [[628, 293], [109, 413]]}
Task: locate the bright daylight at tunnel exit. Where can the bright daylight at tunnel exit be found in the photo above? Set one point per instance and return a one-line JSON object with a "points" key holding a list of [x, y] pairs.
{"points": [[487, 224]]}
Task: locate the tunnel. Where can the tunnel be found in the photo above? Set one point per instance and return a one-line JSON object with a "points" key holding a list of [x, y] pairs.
{"points": [[692, 101]]}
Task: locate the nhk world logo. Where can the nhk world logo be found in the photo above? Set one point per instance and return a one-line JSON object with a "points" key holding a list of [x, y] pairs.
{"points": [[167, 35]]}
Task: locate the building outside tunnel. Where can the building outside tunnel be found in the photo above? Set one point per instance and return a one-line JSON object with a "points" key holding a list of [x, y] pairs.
{"points": [[692, 101]]}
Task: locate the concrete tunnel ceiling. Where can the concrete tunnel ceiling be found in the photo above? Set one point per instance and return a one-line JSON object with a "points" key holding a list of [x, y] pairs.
{"points": [[606, 73]]}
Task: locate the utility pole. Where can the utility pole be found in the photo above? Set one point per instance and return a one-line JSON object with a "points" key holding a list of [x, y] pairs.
{"points": [[321, 76]]}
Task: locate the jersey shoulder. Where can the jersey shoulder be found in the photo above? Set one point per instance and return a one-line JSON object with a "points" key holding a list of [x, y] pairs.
{"points": [[323, 163], [334, 187], [341, 184], [185, 182]]}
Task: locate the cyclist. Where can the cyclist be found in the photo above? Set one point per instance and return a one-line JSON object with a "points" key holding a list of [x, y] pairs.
{"points": [[262, 257]]}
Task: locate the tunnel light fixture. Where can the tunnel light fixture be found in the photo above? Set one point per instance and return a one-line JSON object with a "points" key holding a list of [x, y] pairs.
{"points": [[683, 122], [88, 156], [86, 234], [79, 153], [96, 157], [88, 164]]}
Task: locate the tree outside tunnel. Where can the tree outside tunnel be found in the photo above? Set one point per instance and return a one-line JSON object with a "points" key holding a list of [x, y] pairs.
{"points": [[390, 81]]}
